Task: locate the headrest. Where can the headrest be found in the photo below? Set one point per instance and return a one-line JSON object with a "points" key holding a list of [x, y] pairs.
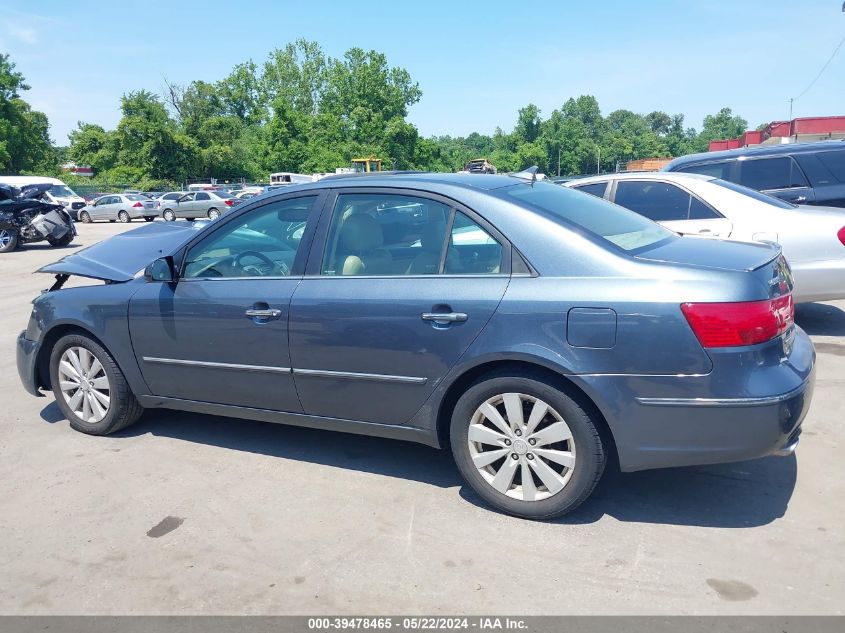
{"points": [[361, 232], [431, 237]]}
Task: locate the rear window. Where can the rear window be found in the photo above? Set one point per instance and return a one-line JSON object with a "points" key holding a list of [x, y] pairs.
{"points": [[622, 228], [771, 173], [594, 188], [136, 197], [753, 193], [716, 170]]}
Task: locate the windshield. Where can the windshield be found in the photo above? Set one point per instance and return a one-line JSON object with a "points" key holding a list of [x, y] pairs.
{"points": [[757, 195], [62, 191], [622, 228]]}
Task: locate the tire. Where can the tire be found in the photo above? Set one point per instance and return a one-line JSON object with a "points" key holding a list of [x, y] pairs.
{"points": [[124, 217], [85, 217], [168, 215], [190, 219], [8, 240], [122, 408], [213, 214], [63, 241], [586, 451], [148, 218]]}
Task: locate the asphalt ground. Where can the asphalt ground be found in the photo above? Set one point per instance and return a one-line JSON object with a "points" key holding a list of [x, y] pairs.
{"points": [[190, 514]]}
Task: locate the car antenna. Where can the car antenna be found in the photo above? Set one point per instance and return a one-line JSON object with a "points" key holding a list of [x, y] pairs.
{"points": [[528, 172]]}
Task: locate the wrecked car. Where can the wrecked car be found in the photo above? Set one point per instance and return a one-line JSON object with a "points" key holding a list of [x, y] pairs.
{"points": [[26, 217]]}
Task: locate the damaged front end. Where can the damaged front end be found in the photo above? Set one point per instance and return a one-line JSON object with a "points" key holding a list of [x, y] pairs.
{"points": [[25, 217]]}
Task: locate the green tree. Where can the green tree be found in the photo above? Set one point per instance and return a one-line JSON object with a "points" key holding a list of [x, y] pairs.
{"points": [[24, 132], [722, 125]]}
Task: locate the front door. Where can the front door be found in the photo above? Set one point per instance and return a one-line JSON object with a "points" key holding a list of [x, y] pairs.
{"points": [[219, 334], [403, 287]]}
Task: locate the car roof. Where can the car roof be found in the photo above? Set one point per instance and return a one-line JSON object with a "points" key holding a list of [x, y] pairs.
{"points": [[640, 175], [29, 180], [759, 150], [480, 182]]}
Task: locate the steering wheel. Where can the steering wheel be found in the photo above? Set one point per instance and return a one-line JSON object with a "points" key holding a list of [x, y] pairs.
{"points": [[266, 269]]}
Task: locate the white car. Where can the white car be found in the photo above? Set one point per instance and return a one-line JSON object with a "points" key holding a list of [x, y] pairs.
{"points": [[123, 207], [812, 238]]}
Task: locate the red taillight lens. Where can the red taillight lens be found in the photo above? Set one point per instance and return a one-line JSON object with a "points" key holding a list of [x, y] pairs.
{"points": [[229, 203], [747, 323], [841, 235], [138, 205]]}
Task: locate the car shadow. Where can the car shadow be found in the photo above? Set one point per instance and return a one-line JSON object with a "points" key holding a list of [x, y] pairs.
{"points": [[821, 319], [739, 495]]}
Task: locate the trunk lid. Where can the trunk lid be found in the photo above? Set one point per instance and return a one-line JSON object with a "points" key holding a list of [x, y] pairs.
{"points": [[716, 254], [119, 258]]}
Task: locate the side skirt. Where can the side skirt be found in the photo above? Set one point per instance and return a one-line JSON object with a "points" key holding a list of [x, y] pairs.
{"points": [[392, 431]]}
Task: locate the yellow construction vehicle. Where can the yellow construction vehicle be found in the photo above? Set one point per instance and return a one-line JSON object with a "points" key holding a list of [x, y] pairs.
{"points": [[366, 165]]}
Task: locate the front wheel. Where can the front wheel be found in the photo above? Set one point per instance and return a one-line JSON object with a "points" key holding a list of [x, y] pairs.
{"points": [[62, 241], [89, 387], [85, 217], [124, 217], [525, 446], [168, 215], [8, 240], [148, 218], [213, 214]]}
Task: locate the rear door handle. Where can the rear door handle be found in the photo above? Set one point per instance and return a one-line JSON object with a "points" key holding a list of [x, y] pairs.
{"points": [[264, 314], [444, 317]]}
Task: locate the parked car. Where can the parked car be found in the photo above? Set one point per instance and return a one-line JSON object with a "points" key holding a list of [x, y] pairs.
{"points": [[812, 238], [123, 207], [58, 193], [557, 330], [196, 204], [804, 173]]}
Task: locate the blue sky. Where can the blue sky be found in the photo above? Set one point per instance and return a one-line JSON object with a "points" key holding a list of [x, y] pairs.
{"points": [[476, 62]]}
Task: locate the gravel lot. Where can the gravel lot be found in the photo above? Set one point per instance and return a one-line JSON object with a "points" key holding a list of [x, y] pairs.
{"points": [[184, 514]]}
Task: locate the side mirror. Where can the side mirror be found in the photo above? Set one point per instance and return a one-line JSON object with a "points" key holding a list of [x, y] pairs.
{"points": [[162, 270]]}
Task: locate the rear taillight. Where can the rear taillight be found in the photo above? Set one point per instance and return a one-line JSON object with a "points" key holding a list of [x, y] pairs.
{"points": [[138, 205], [841, 235], [229, 203], [747, 323]]}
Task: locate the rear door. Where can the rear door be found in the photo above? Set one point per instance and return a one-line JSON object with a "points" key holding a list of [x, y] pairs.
{"points": [[398, 285], [778, 176], [672, 206]]}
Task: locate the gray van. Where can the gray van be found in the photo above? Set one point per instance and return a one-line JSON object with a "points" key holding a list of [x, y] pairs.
{"points": [[803, 173]]}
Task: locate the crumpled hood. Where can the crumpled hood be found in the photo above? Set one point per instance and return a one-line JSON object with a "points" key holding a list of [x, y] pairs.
{"points": [[119, 258]]}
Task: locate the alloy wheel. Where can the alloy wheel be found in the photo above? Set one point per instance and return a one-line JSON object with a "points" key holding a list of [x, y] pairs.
{"points": [[123, 216], [84, 384], [5, 238], [169, 216], [521, 446], [213, 214], [84, 217]]}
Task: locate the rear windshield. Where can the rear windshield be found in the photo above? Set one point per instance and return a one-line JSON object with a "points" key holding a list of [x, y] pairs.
{"points": [[753, 193], [135, 196], [625, 229]]}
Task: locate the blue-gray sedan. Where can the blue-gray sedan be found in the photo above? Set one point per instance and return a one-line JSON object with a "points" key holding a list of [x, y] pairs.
{"points": [[533, 329]]}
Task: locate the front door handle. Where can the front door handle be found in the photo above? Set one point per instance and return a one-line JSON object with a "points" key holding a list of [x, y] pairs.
{"points": [[444, 317], [270, 313]]}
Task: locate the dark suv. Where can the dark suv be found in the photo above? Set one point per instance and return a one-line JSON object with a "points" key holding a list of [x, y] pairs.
{"points": [[803, 173]]}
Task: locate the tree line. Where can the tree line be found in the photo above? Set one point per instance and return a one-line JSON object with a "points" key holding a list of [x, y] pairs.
{"points": [[304, 111]]}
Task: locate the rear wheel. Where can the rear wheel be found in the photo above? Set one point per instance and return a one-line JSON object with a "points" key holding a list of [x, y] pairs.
{"points": [[85, 217], [124, 217], [148, 218], [168, 215], [213, 214], [190, 219], [526, 447], [89, 387], [8, 240]]}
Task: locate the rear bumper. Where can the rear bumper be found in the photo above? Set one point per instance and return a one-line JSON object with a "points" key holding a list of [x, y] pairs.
{"points": [[753, 411], [27, 353], [819, 281]]}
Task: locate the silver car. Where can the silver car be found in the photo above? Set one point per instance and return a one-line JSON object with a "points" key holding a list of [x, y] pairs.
{"points": [[123, 207], [195, 204], [812, 238]]}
